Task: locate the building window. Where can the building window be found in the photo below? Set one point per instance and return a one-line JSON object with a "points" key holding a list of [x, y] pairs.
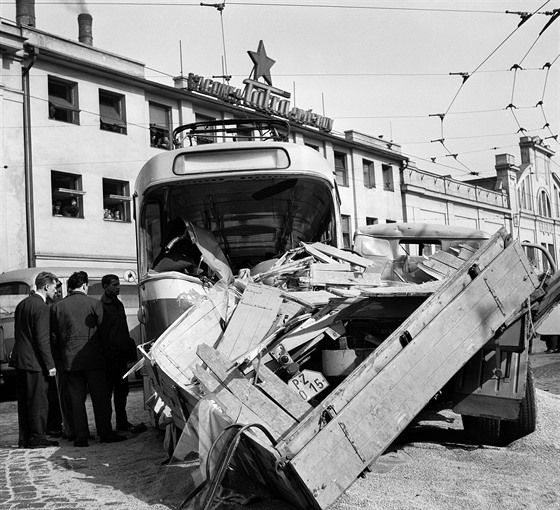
{"points": [[340, 170], [160, 126], [63, 100], [112, 114], [369, 175], [550, 249], [390, 221], [346, 231], [388, 183], [67, 195], [544, 205], [524, 196], [313, 146], [116, 200], [371, 221]]}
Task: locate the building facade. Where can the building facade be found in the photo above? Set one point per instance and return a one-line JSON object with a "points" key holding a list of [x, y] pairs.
{"points": [[79, 122]]}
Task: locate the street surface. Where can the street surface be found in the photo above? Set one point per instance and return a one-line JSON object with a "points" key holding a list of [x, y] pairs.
{"points": [[130, 475]]}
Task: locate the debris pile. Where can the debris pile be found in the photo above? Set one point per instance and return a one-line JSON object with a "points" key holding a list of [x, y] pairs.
{"points": [[286, 350]]}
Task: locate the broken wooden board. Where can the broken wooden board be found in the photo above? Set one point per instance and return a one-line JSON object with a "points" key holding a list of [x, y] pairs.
{"points": [[175, 350], [318, 254], [315, 325], [280, 392], [276, 419], [336, 253], [311, 298], [371, 407], [323, 275], [255, 313]]}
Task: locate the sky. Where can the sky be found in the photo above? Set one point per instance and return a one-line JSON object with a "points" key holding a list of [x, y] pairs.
{"points": [[453, 82]]}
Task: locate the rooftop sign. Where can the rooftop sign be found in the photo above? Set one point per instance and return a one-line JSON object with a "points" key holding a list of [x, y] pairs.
{"points": [[263, 97]]}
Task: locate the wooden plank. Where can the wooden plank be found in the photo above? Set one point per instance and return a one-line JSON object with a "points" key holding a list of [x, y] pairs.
{"points": [[289, 267], [419, 320], [447, 258], [255, 313], [235, 409], [336, 253], [277, 419], [312, 298], [334, 266], [364, 427], [466, 252], [281, 393], [436, 265], [287, 311], [175, 351], [347, 278], [334, 332], [434, 269], [319, 255], [315, 325]]}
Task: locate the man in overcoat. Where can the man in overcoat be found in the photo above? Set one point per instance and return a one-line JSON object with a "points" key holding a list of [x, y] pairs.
{"points": [[75, 320], [33, 361]]}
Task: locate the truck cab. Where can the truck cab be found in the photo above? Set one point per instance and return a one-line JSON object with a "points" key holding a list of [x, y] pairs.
{"points": [[400, 250]]}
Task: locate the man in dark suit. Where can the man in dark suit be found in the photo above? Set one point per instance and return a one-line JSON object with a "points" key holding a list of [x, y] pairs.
{"points": [[74, 322], [33, 361], [116, 341]]}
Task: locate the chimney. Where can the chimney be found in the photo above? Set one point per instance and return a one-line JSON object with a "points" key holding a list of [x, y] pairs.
{"points": [[25, 13], [85, 33]]}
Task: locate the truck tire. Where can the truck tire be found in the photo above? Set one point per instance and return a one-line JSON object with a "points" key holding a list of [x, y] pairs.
{"points": [[496, 432], [480, 430], [526, 423]]}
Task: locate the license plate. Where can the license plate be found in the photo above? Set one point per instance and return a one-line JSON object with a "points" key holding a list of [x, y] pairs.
{"points": [[308, 383]]}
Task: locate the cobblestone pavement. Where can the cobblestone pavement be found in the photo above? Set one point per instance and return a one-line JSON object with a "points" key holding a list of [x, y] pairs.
{"points": [[130, 475]]}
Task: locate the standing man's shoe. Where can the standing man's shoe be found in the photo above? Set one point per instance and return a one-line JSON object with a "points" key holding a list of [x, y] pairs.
{"points": [[41, 443], [112, 438], [81, 443], [133, 429]]}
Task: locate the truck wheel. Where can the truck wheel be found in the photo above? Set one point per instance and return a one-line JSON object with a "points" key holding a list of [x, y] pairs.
{"points": [[480, 430], [527, 420]]}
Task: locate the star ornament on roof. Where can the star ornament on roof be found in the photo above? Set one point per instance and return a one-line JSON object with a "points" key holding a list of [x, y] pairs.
{"points": [[262, 64]]}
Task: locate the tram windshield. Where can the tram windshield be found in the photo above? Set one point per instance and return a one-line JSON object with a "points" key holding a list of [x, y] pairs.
{"points": [[251, 218]]}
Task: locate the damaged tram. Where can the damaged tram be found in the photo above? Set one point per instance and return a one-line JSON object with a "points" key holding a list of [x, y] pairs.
{"points": [[210, 210]]}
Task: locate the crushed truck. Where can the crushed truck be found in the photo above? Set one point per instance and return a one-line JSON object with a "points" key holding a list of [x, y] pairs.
{"points": [[281, 354]]}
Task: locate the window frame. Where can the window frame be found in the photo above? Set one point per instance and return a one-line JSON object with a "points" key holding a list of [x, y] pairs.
{"points": [[116, 206], [388, 181], [158, 132], [117, 117], [68, 105], [544, 206], [346, 230], [64, 194], [368, 168], [341, 170]]}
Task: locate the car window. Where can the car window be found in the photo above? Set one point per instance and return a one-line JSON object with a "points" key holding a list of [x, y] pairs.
{"points": [[11, 293]]}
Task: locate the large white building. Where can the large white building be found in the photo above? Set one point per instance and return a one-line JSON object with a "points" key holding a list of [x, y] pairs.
{"points": [[78, 123]]}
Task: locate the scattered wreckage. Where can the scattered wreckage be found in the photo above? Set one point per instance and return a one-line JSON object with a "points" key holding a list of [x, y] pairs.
{"points": [[294, 361], [323, 364]]}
